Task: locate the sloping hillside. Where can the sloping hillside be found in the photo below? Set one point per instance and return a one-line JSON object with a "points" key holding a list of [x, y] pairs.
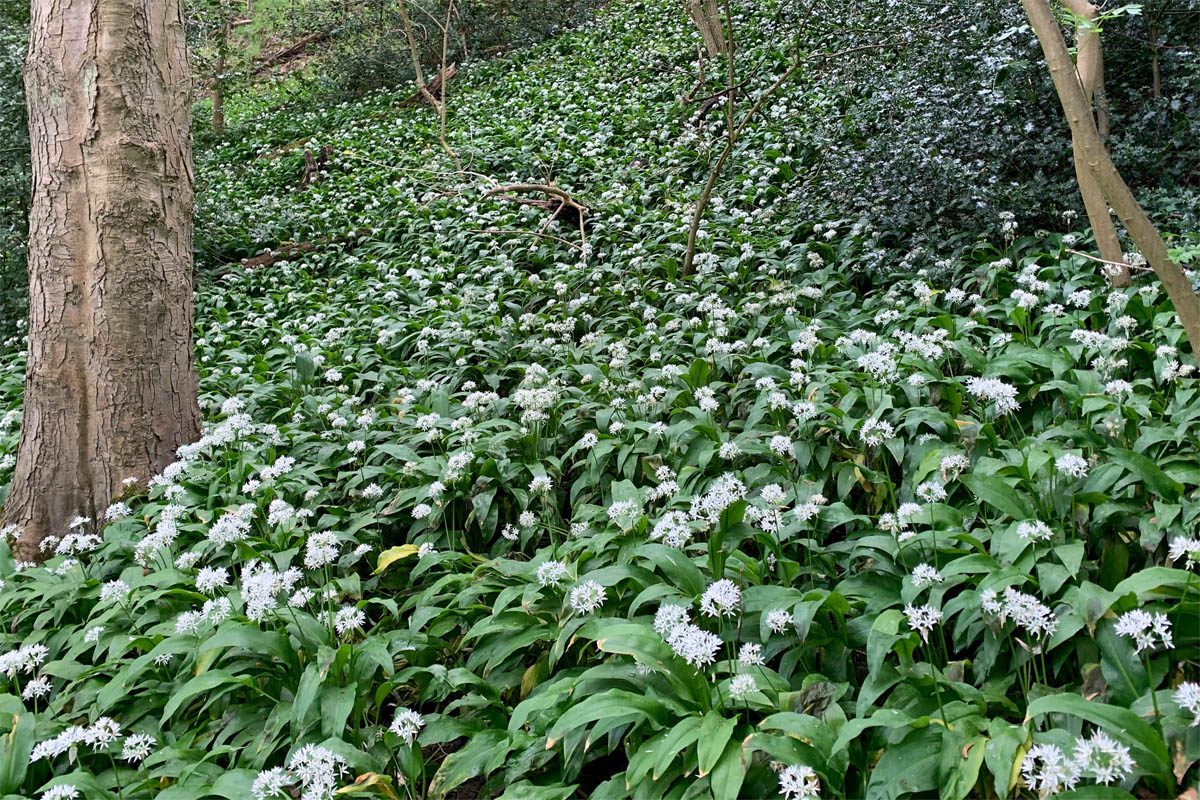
{"points": [[501, 506]]}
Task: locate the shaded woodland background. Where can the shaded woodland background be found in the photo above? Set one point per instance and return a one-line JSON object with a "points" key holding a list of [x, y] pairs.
{"points": [[922, 147]]}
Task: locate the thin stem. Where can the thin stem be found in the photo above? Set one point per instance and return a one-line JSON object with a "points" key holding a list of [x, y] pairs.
{"points": [[937, 690], [1154, 702], [116, 775]]}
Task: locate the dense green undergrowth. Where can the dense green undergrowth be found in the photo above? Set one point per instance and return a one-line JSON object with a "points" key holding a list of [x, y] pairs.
{"points": [[481, 507]]}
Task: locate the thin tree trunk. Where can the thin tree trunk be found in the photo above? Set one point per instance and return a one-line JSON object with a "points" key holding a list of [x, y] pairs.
{"points": [[1083, 126], [415, 52], [110, 389], [1100, 101], [1107, 241], [708, 21], [1089, 66], [218, 96], [1155, 71]]}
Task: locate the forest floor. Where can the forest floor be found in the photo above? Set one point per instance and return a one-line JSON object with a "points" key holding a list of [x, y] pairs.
{"points": [[498, 503]]}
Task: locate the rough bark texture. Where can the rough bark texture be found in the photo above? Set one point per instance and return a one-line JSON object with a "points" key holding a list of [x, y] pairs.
{"points": [[1083, 128], [708, 21], [1089, 66], [110, 388]]}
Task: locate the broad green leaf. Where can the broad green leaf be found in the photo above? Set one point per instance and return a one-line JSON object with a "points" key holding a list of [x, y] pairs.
{"points": [[959, 769], [883, 718], [678, 739], [234, 784], [715, 731], [997, 494], [252, 639], [1148, 472], [908, 768], [15, 746], [306, 694], [609, 702], [729, 772], [483, 753], [1003, 754], [200, 685], [1154, 582], [372, 784]]}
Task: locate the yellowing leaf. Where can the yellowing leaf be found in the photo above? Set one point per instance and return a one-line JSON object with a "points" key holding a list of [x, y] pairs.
{"points": [[394, 554], [371, 783]]}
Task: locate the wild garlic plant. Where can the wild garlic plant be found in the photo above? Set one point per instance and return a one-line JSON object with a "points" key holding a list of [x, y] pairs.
{"points": [[470, 513]]}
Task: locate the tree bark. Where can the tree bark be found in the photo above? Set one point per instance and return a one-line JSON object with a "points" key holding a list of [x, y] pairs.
{"points": [[415, 52], [1089, 66], [1083, 127], [218, 95], [708, 21], [110, 388]]}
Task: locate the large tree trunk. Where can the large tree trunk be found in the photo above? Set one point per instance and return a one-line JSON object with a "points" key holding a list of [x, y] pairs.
{"points": [[708, 21], [110, 388], [1083, 128]]}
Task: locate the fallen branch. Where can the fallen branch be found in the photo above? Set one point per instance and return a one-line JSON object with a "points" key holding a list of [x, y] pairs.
{"points": [[700, 79], [566, 203], [1121, 264], [561, 200], [711, 102], [430, 91], [285, 252], [284, 149], [424, 170], [537, 234], [290, 52], [289, 250]]}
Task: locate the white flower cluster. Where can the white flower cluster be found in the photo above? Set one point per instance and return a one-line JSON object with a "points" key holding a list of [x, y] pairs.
{"points": [[1047, 770], [722, 493], [166, 530], [799, 782], [314, 769], [586, 597], [690, 642], [1034, 530], [99, 735], [24, 659], [922, 619], [320, 550], [722, 598], [232, 526], [673, 530], [550, 573], [407, 724], [1072, 465], [536, 396], [1185, 547], [1025, 610], [1187, 695], [1001, 396], [261, 584], [1149, 631]]}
